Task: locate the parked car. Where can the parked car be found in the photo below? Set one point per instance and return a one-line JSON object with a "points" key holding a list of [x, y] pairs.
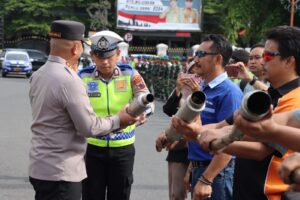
{"points": [[2, 54], [15, 63], [37, 57]]}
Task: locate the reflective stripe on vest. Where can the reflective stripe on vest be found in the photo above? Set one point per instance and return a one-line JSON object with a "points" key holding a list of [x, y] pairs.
{"points": [[107, 99], [113, 140]]}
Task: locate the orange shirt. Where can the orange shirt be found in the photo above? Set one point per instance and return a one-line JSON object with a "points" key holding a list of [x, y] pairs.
{"points": [[274, 186]]}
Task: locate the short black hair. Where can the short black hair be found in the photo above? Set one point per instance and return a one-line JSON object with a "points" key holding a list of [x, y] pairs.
{"points": [[288, 40], [240, 55], [258, 45], [220, 45]]}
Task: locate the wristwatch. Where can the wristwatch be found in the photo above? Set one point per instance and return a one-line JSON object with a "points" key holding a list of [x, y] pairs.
{"points": [[252, 82]]}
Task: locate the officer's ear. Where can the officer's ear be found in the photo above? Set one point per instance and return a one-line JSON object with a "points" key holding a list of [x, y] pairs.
{"points": [[219, 59], [76, 49], [118, 53]]}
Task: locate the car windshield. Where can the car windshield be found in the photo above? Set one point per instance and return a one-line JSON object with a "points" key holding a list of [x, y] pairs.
{"points": [[36, 55], [16, 57]]}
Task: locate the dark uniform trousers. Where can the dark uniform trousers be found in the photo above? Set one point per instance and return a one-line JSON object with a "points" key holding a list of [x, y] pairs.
{"points": [[109, 173], [56, 190]]}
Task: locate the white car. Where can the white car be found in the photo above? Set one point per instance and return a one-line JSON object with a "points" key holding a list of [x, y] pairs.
{"points": [[15, 63]]}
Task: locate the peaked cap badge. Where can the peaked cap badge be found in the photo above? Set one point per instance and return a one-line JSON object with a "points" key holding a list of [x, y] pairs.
{"points": [[103, 43]]}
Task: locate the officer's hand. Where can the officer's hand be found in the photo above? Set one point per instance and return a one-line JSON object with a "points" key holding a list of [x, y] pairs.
{"points": [[142, 120], [126, 119]]}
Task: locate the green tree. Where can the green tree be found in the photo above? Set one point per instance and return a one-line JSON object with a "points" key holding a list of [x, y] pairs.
{"points": [[255, 16], [32, 17]]}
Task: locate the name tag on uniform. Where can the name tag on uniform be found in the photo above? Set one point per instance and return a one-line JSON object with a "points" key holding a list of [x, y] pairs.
{"points": [[93, 89], [121, 85]]}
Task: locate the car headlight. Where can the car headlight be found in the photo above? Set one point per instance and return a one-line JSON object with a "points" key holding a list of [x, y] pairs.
{"points": [[6, 64]]}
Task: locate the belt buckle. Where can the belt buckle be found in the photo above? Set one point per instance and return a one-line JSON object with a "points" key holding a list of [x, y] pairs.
{"points": [[195, 164]]}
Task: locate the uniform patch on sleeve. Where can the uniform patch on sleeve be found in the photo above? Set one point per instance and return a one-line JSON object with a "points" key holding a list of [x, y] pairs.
{"points": [[138, 82]]}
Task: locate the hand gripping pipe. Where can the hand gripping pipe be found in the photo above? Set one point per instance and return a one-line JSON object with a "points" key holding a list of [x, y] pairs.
{"points": [[192, 107], [255, 106], [140, 104]]}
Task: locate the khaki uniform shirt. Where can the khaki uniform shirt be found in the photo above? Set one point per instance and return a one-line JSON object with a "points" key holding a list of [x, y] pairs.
{"points": [[62, 117]]}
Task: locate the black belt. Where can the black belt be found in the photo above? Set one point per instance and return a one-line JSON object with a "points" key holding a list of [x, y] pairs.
{"points": [[197, 164]]}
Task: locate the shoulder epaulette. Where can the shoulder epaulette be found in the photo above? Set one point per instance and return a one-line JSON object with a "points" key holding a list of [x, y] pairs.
{"points": [[125, 68], [87, 70]]}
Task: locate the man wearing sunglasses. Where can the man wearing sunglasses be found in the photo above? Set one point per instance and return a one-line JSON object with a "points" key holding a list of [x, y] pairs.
{"points": [[212, 175], [256, 174], [110, 159], [255, 65]]}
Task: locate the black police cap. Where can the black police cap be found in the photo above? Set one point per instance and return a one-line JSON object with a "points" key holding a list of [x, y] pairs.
{"points": [[66, 29]]}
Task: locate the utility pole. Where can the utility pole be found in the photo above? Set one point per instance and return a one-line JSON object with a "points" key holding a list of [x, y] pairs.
{"points": [[292, 12], [291, 5]]}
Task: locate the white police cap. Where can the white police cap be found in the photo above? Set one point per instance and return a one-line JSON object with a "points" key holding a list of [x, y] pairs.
{"points": [[105, 43]]}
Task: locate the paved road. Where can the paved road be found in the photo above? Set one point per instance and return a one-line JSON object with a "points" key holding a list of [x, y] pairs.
{"points": [[150, 171]]}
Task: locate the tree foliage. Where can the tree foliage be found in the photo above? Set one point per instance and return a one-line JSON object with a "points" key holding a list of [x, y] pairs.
{"points": [[33, 17], [254, 16]]}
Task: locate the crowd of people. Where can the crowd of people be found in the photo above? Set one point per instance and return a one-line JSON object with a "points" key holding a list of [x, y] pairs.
{"points": [[256, 163], [160, 74], [83, 136]]}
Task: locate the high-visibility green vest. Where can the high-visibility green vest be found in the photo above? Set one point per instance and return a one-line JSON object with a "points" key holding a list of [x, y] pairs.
{"points": [[107, 99]]}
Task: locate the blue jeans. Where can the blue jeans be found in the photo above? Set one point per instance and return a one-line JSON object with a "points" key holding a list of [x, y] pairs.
{"points": [[222, 184]]}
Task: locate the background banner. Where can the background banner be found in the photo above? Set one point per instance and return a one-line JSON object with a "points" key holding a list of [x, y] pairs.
{"points": [[173, 15]]}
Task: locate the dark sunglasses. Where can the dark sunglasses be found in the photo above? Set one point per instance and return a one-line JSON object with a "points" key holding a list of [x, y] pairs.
{"points": [[201, 54], [268, 56]]}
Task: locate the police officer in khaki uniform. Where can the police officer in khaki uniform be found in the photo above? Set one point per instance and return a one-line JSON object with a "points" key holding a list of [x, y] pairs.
{"points": [[62, 117], [110, 159]]}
